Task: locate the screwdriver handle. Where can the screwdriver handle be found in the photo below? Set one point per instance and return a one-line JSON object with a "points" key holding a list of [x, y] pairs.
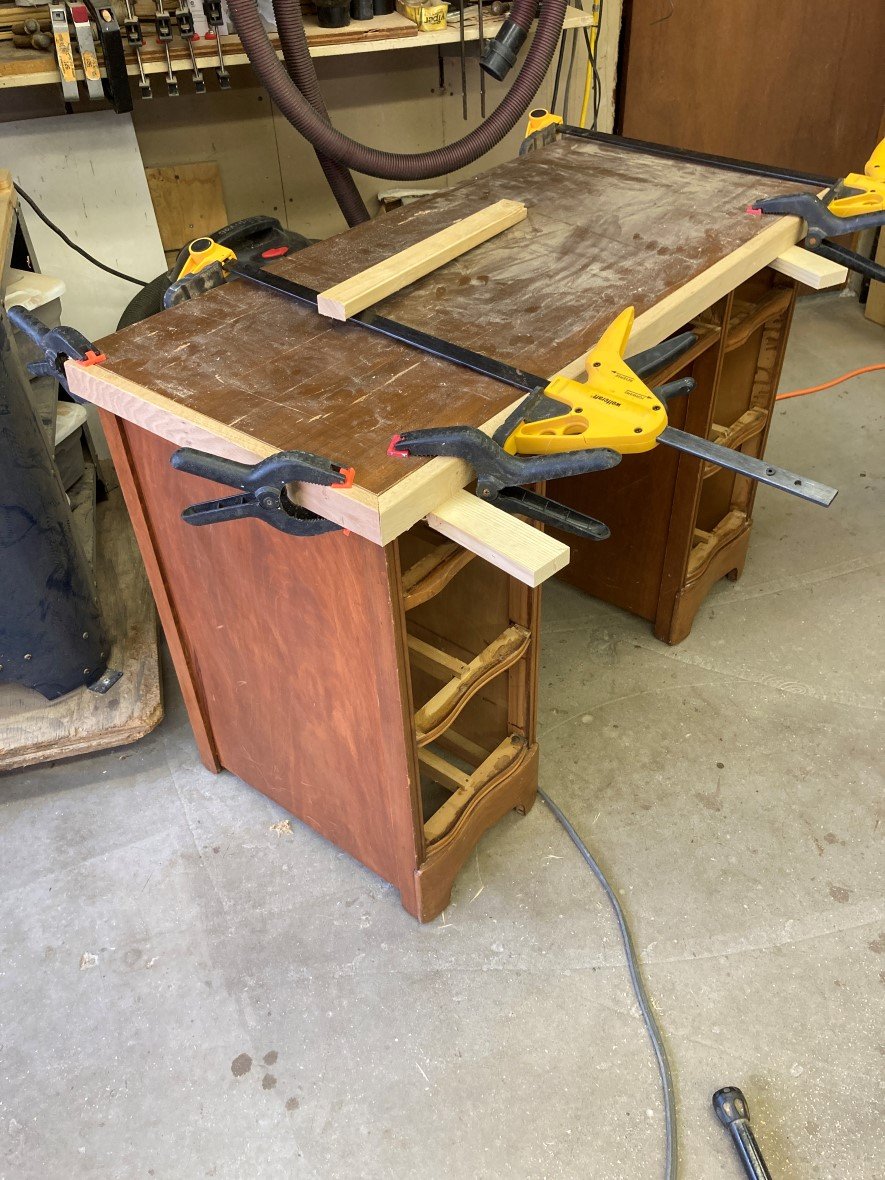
{"points": [[734, 1114]]}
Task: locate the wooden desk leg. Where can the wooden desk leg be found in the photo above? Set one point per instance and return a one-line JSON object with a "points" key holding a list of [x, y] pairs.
{"points": [[471, 645]]}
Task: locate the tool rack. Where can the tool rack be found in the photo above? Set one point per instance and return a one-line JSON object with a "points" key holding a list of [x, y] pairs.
{"points": [[24, 67], [679, 525]]}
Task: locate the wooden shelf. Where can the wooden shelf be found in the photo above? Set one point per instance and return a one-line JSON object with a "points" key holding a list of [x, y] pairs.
{"points": [[20, 67]]}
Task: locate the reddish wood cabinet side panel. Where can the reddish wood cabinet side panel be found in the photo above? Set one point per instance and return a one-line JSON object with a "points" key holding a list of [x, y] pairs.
{"points": [[292, 646]]}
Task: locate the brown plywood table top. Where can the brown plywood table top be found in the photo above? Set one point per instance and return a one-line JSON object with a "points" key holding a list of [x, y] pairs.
{"points": [[605, 228]]}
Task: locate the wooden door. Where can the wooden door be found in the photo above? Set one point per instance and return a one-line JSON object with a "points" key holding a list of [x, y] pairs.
{"points": [[798, 83]]}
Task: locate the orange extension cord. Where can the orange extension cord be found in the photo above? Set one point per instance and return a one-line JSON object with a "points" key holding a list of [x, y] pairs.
{"points": [[828, 384]]}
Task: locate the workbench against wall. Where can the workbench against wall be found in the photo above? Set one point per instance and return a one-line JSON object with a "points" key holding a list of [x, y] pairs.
{"points": [[382, 686]]}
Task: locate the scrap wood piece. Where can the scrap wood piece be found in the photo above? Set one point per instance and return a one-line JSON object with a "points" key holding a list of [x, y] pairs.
{"points": [[377, 282], [813, 270], [518, 548], [188, 202]]}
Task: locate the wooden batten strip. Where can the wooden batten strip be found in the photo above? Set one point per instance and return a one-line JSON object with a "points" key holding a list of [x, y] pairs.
{"points": [[442, 771], [433, 659], [811, 269], [407, 266], [518, 548]]}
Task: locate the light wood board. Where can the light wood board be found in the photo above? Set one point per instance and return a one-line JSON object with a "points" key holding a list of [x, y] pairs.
{"points": [[407, 266]]}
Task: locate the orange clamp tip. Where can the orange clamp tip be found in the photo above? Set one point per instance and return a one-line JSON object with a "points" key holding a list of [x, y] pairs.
{"points": [[393, 450], [754, 211], [346, 532], [92, 358], [349, 473]]}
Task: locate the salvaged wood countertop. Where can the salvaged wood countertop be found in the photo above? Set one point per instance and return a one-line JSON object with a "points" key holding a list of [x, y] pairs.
{"points": [[244, 372]]}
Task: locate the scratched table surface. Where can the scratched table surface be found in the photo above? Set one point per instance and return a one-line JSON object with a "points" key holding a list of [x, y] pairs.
{"points": [[605, 228]]}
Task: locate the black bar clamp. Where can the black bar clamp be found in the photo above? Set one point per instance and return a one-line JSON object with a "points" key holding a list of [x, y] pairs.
{"points": [[58, 346], [500, 475], [263, 489]]}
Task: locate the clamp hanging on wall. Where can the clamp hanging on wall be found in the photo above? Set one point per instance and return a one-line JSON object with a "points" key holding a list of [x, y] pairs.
{"points": [[88, 56], [185, 21], [116, 81], [135, 38], [164, 36], [58, 15]]}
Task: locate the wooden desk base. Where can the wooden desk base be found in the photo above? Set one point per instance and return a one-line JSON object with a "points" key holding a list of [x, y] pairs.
{"points": [[679, 525], [301, 675]]}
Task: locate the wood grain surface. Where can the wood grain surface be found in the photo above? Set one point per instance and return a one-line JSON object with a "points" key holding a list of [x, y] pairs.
{"points": [[796, 85], [291, 649], [604, 228]]}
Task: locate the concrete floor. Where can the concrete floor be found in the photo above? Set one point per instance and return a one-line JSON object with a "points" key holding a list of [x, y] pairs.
{"points": [[187, 993]]}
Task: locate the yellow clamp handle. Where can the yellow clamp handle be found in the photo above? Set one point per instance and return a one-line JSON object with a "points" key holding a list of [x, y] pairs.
{"points": [[870, 195], [613, 408], [540, 118], [201, 252]]}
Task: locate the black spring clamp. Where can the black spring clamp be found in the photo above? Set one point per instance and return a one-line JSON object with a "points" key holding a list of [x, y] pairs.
{"points": [[58, 346], [263, 489]]}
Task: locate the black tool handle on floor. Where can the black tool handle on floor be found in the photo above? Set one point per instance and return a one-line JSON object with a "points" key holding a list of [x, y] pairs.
{"points": [[734, 1114]]}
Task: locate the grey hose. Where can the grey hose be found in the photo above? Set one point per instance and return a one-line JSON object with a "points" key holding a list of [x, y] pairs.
{"points": [[642, 998]]}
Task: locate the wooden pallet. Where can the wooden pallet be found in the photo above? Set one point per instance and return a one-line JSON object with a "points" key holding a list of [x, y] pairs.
{"points": [[34, 730]]}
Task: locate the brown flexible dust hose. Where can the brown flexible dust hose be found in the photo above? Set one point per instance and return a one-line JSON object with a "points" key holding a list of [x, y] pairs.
{"points": [[336, 146], [300, 65]]}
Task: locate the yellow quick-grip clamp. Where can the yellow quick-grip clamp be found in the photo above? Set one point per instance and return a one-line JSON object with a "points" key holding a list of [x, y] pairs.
{"points": [[870, 194], [540, 118], [201, 252], [614, 408]]}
